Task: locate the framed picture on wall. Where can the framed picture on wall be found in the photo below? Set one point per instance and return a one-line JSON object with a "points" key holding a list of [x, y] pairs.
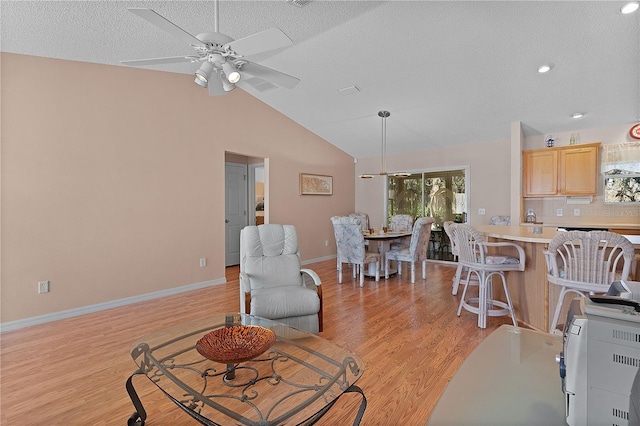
{"points": [[315, 184]]}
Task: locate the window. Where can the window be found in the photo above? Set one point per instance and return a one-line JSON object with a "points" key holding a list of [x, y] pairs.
{"points": [[621, 170], [440, 194]]}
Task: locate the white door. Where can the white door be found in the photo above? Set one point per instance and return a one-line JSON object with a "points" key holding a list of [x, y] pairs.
{"points": [[235, 210]]}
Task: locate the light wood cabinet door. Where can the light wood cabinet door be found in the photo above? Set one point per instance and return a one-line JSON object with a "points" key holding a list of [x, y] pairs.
{"points": [[560, 171], [540, 173], [578, 171]]}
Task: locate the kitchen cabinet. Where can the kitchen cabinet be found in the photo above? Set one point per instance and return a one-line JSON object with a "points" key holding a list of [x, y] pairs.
{"points": [[560, 171]]}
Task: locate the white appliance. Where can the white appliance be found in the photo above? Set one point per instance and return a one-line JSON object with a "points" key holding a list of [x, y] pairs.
{"points": [[600, 362]]}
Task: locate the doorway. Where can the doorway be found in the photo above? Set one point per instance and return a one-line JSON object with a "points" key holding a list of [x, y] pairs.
{"points": [[245, 199], [256, 193], [235, 210]]}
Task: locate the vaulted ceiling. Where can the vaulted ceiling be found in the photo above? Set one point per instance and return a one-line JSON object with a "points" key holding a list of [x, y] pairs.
{"points": [[450, 72]]}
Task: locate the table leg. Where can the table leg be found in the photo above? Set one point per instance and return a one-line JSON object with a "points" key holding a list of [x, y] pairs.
{"points": [[140, 415], [363, 406]]}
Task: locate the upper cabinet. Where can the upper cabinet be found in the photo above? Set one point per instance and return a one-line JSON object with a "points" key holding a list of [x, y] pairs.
{"points": [[568, 170]]}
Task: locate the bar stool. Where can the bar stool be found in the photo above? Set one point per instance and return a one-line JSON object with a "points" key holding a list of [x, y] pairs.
{"points": [[474, 255], [583, 262]]}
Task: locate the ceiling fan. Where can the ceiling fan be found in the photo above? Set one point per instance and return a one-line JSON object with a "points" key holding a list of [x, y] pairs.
{"points": [[222, 59]]}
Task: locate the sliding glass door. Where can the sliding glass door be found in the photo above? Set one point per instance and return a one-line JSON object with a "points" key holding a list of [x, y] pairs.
{"points": [[439, 194]]}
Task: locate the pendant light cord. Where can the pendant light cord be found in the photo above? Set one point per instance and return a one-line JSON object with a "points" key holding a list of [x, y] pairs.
{"points": [[216, 10], [384, 145], [384, 115]]}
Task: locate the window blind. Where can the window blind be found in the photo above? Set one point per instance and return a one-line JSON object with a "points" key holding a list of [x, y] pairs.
{"points": [[621, 159]]}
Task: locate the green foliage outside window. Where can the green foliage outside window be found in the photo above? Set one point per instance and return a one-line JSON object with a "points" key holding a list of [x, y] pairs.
{"points": [[427, 194]]}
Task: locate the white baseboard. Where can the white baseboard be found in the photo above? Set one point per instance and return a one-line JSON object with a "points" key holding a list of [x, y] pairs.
{"points": [[319, 259], [54, 316]]}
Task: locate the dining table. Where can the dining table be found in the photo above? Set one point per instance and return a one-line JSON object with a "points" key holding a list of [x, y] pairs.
{"points": [[384, 239]]}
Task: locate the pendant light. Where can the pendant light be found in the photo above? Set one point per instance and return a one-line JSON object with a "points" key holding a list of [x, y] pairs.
{"points": [[383, 171]]}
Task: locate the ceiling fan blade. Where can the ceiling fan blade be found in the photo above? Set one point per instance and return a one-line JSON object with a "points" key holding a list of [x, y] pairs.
{"points": [[162, 22], [270, 39], [158, 61], [271, 75], [215, 85], [257, 84]]}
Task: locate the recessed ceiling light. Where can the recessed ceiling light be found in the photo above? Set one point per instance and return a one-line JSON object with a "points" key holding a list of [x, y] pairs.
{"points": [[545, 68], [630, 7], [577, 115]]}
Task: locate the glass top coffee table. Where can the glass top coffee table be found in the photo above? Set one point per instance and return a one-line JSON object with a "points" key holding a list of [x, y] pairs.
{"points": [[295, 381]]}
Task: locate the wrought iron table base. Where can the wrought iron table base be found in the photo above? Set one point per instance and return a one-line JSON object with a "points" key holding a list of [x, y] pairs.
{"points": [[139, 416]]}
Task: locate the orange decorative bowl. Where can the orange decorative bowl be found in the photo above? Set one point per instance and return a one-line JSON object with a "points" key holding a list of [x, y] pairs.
{"points": [[238, 343]]}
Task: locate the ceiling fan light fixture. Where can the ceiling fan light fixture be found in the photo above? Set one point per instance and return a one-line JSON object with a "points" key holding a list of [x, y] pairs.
{"points": [[231, 73], [203, 73], [227, 86], [630, 7]]}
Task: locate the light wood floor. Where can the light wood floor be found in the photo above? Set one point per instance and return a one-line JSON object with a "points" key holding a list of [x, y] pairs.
{"points": [[73, 371]]}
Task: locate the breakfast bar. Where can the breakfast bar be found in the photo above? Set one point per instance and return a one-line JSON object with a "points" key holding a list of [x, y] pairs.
{"points": [[532, 296]]}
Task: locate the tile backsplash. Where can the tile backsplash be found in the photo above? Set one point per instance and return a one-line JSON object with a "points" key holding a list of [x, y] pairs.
{"points": [[594, 213]]}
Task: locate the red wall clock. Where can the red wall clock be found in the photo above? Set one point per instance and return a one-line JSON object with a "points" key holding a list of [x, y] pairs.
{"points": [[635, 131]]}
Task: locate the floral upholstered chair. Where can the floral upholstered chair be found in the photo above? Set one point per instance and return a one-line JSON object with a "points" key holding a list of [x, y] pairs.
{"points": [[401, 223], [363, 218], [416, 252], [351, 248]]}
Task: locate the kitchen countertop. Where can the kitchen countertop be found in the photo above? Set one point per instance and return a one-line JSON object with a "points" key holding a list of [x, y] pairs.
{"points": [[525, 234], [608, 225], [518, 233]]}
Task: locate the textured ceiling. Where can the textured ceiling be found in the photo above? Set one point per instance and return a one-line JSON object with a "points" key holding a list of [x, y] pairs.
{"points": [[449, 72]]}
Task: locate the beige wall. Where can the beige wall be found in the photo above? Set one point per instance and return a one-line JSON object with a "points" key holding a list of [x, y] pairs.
{"points": [[489, 171], [112, 181], [495, 175]]}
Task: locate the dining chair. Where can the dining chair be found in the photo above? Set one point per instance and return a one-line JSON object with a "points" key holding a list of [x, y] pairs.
{"points": [[363, 218], [273, 284], [416, 252], [364, 224], [351, 248], [401, 223], [586, 262], [477, 256]]}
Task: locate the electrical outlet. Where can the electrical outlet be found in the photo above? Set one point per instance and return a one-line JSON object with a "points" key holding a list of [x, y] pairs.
{"points": [[43, 287], [203, 262], [481, 212], [326, 243], [576, 212], [559, 212]]}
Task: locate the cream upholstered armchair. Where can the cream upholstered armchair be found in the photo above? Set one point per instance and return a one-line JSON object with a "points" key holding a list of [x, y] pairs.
{"points": [[351, 248], [272, 283], [582, 262], [416, 252]]}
